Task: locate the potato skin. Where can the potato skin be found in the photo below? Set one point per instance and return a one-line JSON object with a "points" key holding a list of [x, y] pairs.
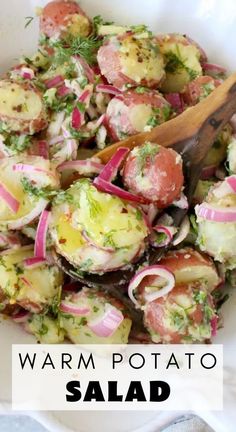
{"points": [[60, 17], [199, 89], [130, 113], [182, 315], [21, 107], [155, 173], [124, 60]]}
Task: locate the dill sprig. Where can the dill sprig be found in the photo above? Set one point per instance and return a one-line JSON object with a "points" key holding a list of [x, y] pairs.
{"points": [[85, 47], [174, 64]]}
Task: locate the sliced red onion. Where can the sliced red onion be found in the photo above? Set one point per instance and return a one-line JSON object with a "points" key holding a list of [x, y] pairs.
{"points": [[183, 231], [152, 212], [21, 316], [25, 220], [9, 240], [103, 88], [63, 91], [91, 242], [26, 281], [110, 170], [206, 211], [168, 231], [108, 323], [213, 69], [43, 149], [182, 202], [89, 73], [208, 172], [41, 234], [155, 270], [84, 167], [56, 140], [27, 73], [85, 96], [34, 262], [31, 169], [9, 199], [73, 309], [77, 118], [214, 325], [94, 125], [54, 82], [110, 188], [176, 101], [231, 181]]}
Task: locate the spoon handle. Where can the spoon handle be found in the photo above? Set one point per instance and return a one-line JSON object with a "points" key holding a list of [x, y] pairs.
{"points": [[219, 105]]}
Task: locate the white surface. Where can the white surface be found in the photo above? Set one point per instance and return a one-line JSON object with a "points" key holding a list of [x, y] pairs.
{"points": [[213, 24]]}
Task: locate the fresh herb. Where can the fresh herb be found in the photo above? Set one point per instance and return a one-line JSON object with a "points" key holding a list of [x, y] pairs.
{"points": [[153, 121], [160, 237], [70, 46], [28, 21], [148, 150], [59, 104], [98, 21], [35, 191], [207, 89], [4, 128], [95, 309], [141, 28], [177, 319], [83, 321], [18, 269], [200, 297], [108, 239], [141, 90], [43, 329], [174, 64], [62, 197], [81, 106], [18, 143], [138, 215], [193, 223], [208, 313], [94, 206]]}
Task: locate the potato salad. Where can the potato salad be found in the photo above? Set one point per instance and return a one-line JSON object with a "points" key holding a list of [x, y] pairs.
{"points": [[89, 84]]}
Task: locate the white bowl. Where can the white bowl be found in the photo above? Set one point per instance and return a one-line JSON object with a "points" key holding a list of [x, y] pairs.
{"points": [[213, 24]]}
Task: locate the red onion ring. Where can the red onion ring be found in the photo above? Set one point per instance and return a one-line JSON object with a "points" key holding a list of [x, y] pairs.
{"points": [[105, 186], [206, 211], [106, 325], [12, 203], [41, 233], [154, 270]]}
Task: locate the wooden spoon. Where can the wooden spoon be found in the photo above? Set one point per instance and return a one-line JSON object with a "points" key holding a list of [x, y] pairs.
{"points": [[191, 134]]}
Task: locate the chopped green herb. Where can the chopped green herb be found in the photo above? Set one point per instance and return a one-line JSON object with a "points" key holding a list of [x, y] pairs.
{"points": [[153, 121], [98, 21], [108, 239], [147, 150], [174, 64], [85, 47], [81, 106], [43, 330], [141, 90], [200, 297], [138, 215], [94, 206]]}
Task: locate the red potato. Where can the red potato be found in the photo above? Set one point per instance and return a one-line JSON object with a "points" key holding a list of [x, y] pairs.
{"points": [[60, 17], [189, 266], [125, 60], [21, 107], [133, 112], [155, 173], [185, 314], [199, 89]]}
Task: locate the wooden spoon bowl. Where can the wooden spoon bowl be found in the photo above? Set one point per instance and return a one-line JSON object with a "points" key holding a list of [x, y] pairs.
{"points": [[191, 134]]}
